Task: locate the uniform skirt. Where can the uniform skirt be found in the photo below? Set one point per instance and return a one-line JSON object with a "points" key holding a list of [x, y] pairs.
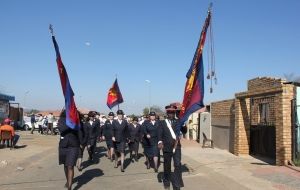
{"points": [[109, 143], [68, 156], [134, 146], [151, 151], [119, 147]]}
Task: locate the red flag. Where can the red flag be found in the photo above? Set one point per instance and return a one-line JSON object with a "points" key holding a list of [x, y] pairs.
{"points": [[114, 96], [194, 87], [72, 117]]}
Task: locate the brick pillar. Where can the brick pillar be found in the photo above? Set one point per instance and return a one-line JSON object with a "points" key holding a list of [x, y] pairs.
{"points": [[284, 125], [242, 126]]}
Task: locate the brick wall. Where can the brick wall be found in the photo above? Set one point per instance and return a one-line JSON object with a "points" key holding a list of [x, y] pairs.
{"points": [[222, 122], [244, 111], [261, 83], [255, 110], [222, 113]]}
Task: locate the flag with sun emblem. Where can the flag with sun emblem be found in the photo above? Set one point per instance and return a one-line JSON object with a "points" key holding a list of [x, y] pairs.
{"points": [[194, 87], [114, 96]]}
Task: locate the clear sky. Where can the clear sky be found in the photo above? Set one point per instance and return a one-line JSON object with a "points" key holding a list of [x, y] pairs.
{"points": [[141, 40]]}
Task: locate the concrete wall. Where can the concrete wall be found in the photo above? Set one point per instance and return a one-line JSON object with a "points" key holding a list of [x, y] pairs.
{"points": [[193, 126], [205, 125]]}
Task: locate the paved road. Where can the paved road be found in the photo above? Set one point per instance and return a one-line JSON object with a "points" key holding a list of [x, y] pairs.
{"points": [[39, 169]]}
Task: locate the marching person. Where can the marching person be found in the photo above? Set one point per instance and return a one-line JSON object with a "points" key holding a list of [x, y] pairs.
{"points": [[119, 136], [151, 139], [83, 138], [94, 128], [107, 135], [134, 138], [171, 148], [68, 148]]}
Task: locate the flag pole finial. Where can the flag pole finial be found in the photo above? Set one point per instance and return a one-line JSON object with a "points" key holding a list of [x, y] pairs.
{"points": [[51, 29], [210, 7]]}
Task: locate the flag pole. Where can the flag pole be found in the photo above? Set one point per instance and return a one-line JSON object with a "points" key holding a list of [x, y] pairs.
{"points": [[51, 29]]}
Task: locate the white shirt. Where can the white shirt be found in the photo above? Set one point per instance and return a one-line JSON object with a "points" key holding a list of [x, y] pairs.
{"points": [[50, 118]]}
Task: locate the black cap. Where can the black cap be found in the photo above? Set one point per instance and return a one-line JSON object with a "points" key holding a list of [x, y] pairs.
{"points": [[91, 114], [171, 108], [120, 112], [135, 119], [152, 113], [111, 114]]}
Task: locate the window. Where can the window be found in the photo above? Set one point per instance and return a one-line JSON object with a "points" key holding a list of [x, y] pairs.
{"points": [[264, 110]]}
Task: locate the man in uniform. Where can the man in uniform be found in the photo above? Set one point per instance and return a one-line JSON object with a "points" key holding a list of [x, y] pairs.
{"points": [[170, 144]]}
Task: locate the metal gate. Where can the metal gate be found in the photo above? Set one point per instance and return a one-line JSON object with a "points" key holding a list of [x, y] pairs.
{"points": [[263, 141], [296, 131], [262, 128]]}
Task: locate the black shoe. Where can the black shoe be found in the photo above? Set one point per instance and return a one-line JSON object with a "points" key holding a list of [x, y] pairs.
{"points": [[156, 170], [122, 169]]}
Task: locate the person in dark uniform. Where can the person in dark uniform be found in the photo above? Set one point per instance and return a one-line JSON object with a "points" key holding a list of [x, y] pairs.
{"points": [[134, 138], [119, 136], [151, 139], [93, 126], [83, 138], [107, 135], [68, 149], [171, 148]]}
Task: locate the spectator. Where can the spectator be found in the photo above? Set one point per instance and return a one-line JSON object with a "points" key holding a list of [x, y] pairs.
{"points": [[8, 127], [40, 124], [32, 120], [50, 123]]}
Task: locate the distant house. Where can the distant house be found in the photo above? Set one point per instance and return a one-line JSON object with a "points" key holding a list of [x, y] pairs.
{"points": [[4, 105]]}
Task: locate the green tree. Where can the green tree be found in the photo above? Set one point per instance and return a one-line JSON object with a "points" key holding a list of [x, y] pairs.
{"points": [[154, 108]]}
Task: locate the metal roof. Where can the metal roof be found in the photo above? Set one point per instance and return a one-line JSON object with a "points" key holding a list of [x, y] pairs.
{"points": [[6, 97]]}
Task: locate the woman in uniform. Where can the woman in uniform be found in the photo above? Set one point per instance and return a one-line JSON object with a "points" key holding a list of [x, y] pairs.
{"points": [[68, 148], [107, 135], [150, 140], [119, 136], [134, 138]]}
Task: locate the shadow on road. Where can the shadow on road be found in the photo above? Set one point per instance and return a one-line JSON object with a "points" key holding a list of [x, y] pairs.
{"points": [[96, 158], [86, 177], [21, 146]]}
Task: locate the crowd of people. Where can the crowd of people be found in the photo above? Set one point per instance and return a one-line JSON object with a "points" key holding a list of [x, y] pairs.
{"points": [[45, 123], [153, 134]]}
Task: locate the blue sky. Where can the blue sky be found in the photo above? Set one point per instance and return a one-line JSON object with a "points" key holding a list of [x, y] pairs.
{"points": [[139, 40]]}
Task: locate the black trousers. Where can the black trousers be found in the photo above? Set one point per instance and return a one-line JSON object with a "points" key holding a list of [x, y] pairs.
{"points": [[177, 177]]}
